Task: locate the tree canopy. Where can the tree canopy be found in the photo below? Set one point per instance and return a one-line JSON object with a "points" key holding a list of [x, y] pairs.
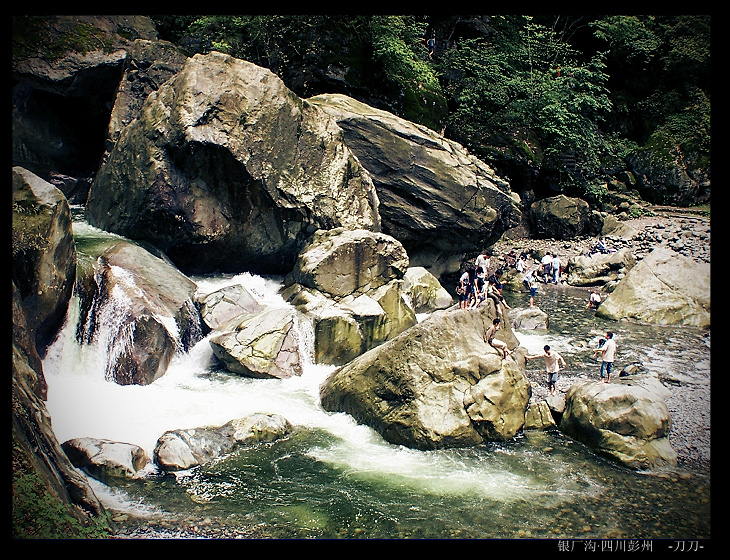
{"points": [[550, 101]]}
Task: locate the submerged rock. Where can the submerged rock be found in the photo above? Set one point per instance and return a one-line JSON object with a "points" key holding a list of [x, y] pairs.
{"points": [[183, 449]]}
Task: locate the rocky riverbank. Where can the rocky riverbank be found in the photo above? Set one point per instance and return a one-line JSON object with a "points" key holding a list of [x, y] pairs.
{"points": [[687, 233]]}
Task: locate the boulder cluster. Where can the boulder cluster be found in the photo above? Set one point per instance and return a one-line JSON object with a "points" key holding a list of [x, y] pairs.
{"points": [[217, 166]]}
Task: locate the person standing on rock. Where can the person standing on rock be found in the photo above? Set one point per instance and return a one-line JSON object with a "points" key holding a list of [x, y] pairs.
{"points": [[489, 338], [483, 260], [553, 360], [608, 354], [556, 268], [464, 290], [530, 281]]}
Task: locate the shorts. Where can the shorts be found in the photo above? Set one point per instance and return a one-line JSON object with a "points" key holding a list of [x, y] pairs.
{"points": [[553, 378], [533, 291]]}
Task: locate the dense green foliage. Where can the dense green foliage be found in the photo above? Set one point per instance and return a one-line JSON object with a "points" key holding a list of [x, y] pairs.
{"points": [[39, 514]]}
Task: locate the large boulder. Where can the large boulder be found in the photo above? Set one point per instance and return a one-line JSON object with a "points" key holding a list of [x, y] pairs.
{"points": [[340, 262], [562, 217], [178, 450], [663, 288], [44, 254], [262, 345], [104, 459], [622, 420], [425, 291], [599, 269], [141, 309], [435, 198], [436, 385], [350, 285], [226, 169]]}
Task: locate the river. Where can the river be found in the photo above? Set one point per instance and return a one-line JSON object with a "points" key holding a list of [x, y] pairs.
{"points": [[334, 479]]}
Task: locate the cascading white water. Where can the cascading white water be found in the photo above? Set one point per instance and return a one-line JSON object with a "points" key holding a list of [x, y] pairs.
{"points": [[83, 403], [338, 470]]}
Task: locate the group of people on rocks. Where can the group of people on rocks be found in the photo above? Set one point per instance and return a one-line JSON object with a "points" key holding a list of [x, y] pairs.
{"points": [[478, 283]]}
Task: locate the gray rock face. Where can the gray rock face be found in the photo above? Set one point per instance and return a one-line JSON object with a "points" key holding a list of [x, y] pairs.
{"points": [[261, 345], [425, 291], [599, 269], [61, 104], [104, 459], [562, 217], [349, 284], [226, 169], [622, 420], [435, 197], [149, 306], [342, 263], [44, 254], [33, 437], [528, 318], [182, 449], [438, 384], [228, 303], [664, 288]]}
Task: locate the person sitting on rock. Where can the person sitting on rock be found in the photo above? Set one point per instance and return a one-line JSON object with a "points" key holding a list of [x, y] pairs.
{"points": [[489, 338]]}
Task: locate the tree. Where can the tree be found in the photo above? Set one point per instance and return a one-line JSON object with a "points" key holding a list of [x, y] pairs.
{"points": [[526, 99]]}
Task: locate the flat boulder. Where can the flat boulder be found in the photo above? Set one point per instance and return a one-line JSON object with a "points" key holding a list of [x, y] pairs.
{"points": [[178, 450], [262, 345], [104, 459]]}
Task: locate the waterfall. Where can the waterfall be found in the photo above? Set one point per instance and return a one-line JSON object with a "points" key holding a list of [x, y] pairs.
{"points": [[194, 393]]}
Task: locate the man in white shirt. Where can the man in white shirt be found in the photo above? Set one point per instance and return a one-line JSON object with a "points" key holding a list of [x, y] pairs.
{"points": [[483, 260], [608, 354], [552, 365], [547, 266]]}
